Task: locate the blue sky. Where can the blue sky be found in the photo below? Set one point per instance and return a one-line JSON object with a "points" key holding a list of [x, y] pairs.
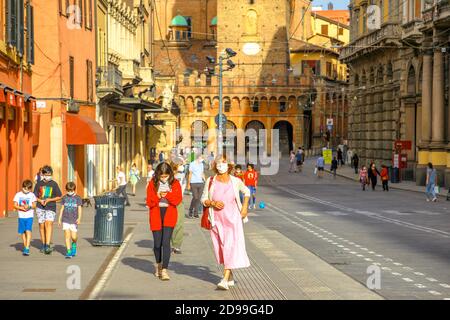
{"points": [[338, 4]]}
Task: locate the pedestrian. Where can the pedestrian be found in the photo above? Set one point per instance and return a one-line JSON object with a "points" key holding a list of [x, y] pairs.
{"points": [[211, 160], [195, 183], [373, 175], [292, 164], [150, 173], [134, 178], [25, 203], [122, 185], [303, 155], [298, 159], [251, 182], [70, 218], [178, 231], [163, 197], [320, 166], [240, 175], [161, 157], [355, 162], [38, 176], [227, 214], [363, 178], [384, 174], [431, 182], [47, 192], [334, 166], [340, 157]]}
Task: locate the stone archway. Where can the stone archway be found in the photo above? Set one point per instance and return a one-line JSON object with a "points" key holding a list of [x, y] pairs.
{"points": [[286, 133], [253, 140]]}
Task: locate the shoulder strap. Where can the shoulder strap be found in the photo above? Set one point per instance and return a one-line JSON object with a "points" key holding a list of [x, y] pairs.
{"points": [[210, 182]]}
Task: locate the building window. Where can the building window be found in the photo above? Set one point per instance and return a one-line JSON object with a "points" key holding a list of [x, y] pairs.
{"points": [[227, 105], [283, 107], [189, 30], [90, 87], [88, 13], [208, 79], [255, 106], [324, 29], [328, 69], [199, 106], [71, 76], [341, 31], [314, 65], [30, 34]]}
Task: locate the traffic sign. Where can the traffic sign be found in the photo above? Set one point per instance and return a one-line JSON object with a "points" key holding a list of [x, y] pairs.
{"points": [[224, 120]]}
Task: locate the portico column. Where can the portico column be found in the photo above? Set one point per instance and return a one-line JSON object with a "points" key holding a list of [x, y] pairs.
{"points": [[438, 114], [426, 97]]}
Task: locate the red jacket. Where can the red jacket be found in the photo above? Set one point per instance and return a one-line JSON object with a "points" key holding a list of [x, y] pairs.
{"points": [[384, 174], [251, 178], [174, 198]]}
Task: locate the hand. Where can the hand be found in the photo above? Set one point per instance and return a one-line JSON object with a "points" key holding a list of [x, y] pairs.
{"points": [[244, 212], [163, 194], [188, 187], [59, 223], [44, 202], [219, 205], [78, 221]]}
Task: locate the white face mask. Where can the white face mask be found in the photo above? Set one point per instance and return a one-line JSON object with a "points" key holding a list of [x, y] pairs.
{"points": [[25, 191], [222, 167], [47, 178], [71, 193]]}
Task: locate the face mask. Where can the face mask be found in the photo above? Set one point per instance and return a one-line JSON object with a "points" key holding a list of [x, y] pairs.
{"points": [[71, 193], [180, 170], [47, 178], [222, 167], [164, 180], [25, 191]]}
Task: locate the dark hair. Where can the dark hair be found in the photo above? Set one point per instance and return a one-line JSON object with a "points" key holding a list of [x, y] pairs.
{"points": [[238, 166], [27, 184], [163, 168], [430, 165], [47, 170], [70, 186], [251, 165]]}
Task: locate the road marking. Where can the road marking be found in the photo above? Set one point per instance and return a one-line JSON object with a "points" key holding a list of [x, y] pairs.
{"points": [[408, 268], [336, 213], [432, 279], [419, 273], [109, 269], [408, 280], [386, 268], [396, 274], [397, 213], [444, 285], [308, 214], [419, 285], [435, 293], [368, 259], [397, 263]]}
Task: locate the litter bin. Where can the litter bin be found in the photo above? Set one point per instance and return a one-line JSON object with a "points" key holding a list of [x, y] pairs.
{"points": [[109, 220]]}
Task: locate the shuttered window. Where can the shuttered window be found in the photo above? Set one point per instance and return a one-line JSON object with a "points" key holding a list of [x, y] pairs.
{"points": [[11, 23], [89, 81], [20, 27], [72, 76], [30, 34], [324, 29]]}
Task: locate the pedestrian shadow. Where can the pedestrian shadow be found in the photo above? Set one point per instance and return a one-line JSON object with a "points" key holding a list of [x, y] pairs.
{"points": [[144, 244], [90, 240], [37, 244], [193, 271], [60, 249]]}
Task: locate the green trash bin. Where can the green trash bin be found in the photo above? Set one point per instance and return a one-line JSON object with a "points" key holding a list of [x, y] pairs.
{"points": [[109, 220]]}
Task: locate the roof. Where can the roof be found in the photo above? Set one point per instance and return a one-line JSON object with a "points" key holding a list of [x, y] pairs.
{"points": [[214, 21], [340, 16], [179, 21], [301, 46]]}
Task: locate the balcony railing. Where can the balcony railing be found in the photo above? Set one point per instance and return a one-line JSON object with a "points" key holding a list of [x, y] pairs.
{"points": [[368, 42], [109, 81], [440, 10]]}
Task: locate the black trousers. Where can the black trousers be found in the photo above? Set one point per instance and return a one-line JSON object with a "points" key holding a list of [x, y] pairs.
{"points": [[374, 182], [385, 185], [197, 190], [122, 190], [161, 242]]}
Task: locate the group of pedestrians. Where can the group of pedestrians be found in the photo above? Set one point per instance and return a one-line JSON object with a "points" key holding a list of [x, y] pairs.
{"points": [[41, 201], [296, 160], [224, 197], [369, 176]]}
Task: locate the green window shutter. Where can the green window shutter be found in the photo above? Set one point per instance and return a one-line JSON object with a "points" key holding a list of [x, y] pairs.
{"points": [[20, 28], [30, 34], [11, 23]]}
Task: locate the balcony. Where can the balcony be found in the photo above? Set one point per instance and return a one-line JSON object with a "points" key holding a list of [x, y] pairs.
{"points": [[109, 80], [411, 31], [437, 15], [389, 35]]}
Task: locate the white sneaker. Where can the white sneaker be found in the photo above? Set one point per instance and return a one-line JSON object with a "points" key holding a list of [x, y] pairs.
{"points": [[428, 200], [223, 285], [434, 199]]}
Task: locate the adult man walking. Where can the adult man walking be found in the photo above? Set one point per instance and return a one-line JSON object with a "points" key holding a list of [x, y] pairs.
{"points": [[195, 183], [320, 165]]}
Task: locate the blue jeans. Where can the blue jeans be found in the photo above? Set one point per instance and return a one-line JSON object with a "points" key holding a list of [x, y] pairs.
{"points": [[252, 200], [429, 191]]}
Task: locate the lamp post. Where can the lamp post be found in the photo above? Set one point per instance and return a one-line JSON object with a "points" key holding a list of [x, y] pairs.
{"points": [[226, 55]]}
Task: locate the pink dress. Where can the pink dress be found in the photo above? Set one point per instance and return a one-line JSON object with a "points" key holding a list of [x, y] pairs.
{"points": [[228, 233]]}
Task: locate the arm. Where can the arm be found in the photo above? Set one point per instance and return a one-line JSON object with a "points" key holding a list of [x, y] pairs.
{"points": [[188, 184], [246, 192], [80, 213], [205, 195], [60, 215], [152, 197], [17, 207], [174, 197]]}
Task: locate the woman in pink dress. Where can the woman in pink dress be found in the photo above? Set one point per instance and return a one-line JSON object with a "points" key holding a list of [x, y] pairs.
{"points": [[227, 214]]}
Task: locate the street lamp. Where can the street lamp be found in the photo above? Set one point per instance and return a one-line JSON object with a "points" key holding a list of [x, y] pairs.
{"points": [[226, 55]]}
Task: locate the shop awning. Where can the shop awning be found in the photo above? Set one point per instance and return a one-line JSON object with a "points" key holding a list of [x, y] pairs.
{"points": [[2, 96], [146, 106], [81, 130]]}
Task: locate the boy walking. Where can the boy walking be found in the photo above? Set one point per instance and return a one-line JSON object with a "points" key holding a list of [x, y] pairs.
{"points": [[47, 193], [25, 203], [70, 218], [251, 182]]}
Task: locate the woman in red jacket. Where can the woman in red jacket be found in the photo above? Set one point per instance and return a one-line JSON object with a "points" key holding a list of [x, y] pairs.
{"points": [[163, 197]]}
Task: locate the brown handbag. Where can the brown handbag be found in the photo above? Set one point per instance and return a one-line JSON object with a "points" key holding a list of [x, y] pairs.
{"points": [[205, 223]]}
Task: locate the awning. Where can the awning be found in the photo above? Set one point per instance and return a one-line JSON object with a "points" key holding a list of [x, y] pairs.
{"points": [[140, 104], [36, 126], [2, 96], [81, 130], [11, 98]]}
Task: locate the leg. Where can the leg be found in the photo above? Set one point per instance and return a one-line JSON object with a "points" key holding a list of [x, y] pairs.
{"points": [[166, 250], [28, 239], [24, 239], [226, 274], [387, 185], [177, 236], [157, 244], [48, 232], [67, 239], [197, 189]]}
